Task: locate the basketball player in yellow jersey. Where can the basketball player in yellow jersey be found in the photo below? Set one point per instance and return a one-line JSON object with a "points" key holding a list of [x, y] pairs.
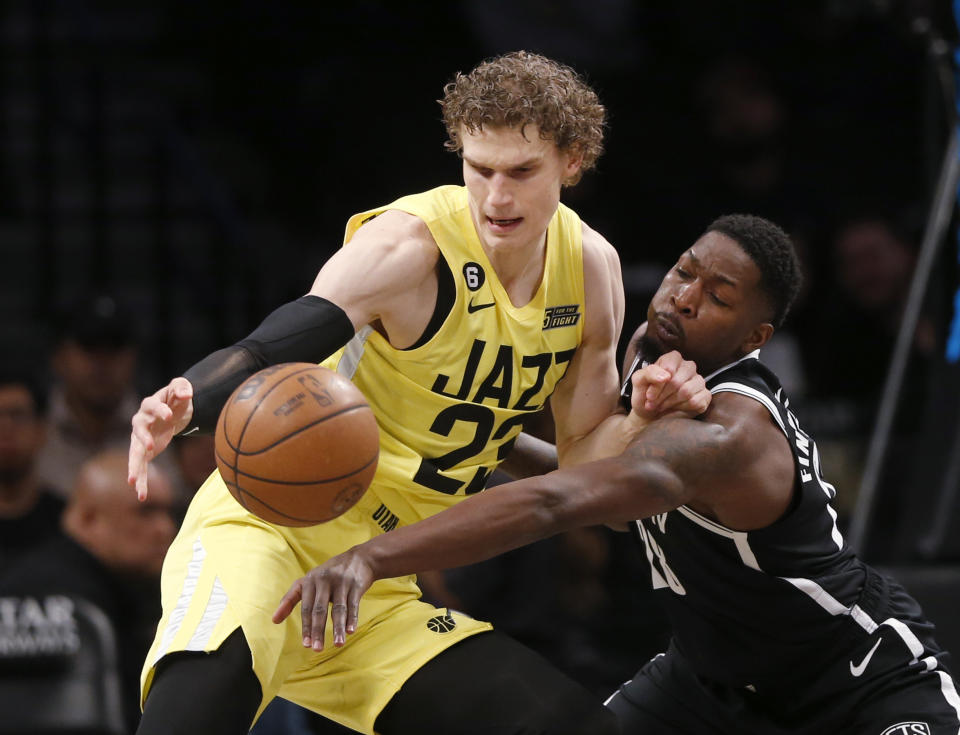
{"points": [[458, 312]]}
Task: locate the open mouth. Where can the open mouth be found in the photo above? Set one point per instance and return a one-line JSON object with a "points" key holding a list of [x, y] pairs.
{"points": [[504, 223]]}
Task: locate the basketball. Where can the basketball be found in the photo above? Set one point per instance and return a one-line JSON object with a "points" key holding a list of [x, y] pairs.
{"points": [[297, 444]]}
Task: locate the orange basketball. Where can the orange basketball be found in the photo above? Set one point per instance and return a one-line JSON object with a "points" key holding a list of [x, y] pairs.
{"points": [[297, 444]]}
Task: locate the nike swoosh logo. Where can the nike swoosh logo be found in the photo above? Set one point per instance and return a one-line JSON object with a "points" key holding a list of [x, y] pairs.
{"points": [[472, 307], [858, 670]]}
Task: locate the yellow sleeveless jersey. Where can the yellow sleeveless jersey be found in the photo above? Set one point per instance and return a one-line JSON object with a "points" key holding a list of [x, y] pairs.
{"points": [[449, 409]]}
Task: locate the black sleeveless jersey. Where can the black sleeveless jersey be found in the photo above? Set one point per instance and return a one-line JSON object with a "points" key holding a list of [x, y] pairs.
{"points": [[764, 608]]}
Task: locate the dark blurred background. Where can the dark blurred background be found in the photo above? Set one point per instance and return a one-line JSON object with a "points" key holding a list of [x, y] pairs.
{"points": [[197, 162]]}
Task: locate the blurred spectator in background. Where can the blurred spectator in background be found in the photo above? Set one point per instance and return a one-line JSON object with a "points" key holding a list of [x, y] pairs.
{"points": [[93, 397], [744, 117], [29, 511], [109, 553], [854, 324], [873, 259]]}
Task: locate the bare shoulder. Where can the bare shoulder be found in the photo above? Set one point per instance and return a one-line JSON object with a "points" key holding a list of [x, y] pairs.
{"points": [[597, 250], [602, 278], [755, 485], [394, 231], [387, 267], [747, 422]]}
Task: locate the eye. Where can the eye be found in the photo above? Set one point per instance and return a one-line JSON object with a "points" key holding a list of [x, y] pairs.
{"points": [[682, 273], [480, 170], [716, 299]]}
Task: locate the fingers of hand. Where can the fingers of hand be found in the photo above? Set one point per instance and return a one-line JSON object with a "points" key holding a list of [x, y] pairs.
{"points": [[137, 468], [313, 613], [678, 388], [318, 615], [701, 401], [181, 389], [670, 361], [353, 610], [692, 398], [647, 385], [650, 374], [140, 426], [339, 613], [287, 603]]}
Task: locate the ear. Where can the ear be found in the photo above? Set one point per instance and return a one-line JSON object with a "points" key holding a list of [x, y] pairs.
{"points": [[574, 161], [758, 337]]}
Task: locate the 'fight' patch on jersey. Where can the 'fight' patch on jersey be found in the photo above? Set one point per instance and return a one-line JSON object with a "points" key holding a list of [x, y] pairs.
{"points": [[561, 316]]}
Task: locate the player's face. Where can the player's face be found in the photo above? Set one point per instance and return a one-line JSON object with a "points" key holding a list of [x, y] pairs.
{"points": [[514, 180], [21, 432], [709, 305]]}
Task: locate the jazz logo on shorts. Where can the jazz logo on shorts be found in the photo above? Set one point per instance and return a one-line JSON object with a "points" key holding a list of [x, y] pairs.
{"points": [[908, 728], [442, 623]]}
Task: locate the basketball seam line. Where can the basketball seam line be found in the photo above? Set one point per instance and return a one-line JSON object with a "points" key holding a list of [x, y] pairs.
{"points": [[237, 472], [270, 390], [303, 428], [267, 505]]}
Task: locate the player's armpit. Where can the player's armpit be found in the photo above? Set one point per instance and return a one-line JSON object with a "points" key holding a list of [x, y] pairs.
{"points": [[530, 456]]}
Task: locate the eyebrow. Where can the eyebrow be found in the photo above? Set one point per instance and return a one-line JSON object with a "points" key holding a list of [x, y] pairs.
{"points": [[718, 276], [529, 163]]}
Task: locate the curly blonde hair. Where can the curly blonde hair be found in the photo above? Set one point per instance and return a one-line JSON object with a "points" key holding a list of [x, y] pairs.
{"points": [[520, 89]]}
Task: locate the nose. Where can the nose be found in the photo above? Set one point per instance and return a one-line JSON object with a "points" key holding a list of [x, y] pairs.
{"points": [[687, 297], [500, 193]]}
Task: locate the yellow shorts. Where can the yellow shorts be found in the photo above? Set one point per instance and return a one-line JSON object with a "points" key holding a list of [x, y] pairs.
{"points": [[227, 568]]}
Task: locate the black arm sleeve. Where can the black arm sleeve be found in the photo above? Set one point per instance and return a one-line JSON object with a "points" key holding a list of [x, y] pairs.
{"points": [[309, 329]]}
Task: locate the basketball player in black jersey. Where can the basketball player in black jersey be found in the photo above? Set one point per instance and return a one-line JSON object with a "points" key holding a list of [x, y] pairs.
{"points": [[777, 626]]}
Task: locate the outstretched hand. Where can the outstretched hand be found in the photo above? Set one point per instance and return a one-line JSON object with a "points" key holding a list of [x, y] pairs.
{"points": [[161, 416], [670, 386], [339, 582]]}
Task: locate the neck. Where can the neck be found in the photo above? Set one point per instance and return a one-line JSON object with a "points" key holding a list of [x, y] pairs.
{"points": [[710, 368], [519, 269]]}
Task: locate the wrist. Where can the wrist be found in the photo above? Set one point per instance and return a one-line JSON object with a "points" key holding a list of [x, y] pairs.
{"points": [[635, 423], [370, 555]]}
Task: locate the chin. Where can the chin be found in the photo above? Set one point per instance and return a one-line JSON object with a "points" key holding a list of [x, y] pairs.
{"points": [[650, 348]]}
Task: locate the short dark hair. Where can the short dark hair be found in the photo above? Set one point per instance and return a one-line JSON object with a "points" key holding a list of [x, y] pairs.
{"points": [[96, 320], [33, 380], [772, 250]]}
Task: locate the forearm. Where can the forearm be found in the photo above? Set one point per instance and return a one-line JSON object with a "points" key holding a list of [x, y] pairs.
{"points": [[495, 521], [508, 516], [609, 439], [530, 456], [306, 330]]}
